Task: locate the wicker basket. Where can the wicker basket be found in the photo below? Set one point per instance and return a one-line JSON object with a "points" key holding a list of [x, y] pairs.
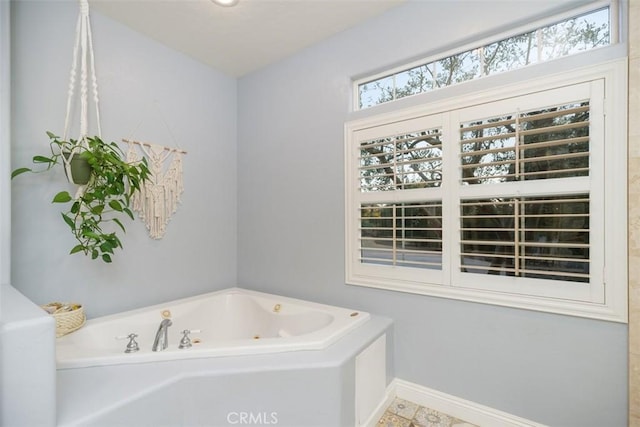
{"points": [[69, 317]]}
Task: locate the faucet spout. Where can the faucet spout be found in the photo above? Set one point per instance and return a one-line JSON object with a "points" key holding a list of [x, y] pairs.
{"points": [[161, 342]]}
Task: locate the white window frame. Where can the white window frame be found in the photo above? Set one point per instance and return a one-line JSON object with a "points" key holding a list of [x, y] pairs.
{"points": [[605, 297]]}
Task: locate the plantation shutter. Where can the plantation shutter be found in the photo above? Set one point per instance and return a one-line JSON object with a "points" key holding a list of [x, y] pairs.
{"points": [[401, 234], [526, 210], [399, 219]]}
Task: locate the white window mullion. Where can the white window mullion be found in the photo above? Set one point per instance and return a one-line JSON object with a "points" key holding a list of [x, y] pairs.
{"points": [[450, 197]]}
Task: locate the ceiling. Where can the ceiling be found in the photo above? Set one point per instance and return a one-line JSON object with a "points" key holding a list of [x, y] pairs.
{"points": [[240, 39]]}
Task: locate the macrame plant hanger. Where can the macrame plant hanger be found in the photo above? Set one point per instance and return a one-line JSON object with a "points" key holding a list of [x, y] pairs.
{"points": [[82, 55]]}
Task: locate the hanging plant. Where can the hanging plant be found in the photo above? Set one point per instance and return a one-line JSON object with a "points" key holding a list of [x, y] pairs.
{"points": [[105, 192], [104, 199]]}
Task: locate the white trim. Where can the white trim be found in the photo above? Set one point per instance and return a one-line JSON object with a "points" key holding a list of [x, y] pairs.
{"points": [[460, 408], [375, 416]]}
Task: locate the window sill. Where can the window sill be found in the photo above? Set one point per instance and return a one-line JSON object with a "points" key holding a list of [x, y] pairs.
{"points": [[614, 311]]}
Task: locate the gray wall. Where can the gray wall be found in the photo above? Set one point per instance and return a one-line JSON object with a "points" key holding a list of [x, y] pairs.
{"points": [[150, 93], [290, 236], [553, 369]]}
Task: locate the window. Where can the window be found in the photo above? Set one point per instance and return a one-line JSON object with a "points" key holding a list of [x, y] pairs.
{"points": [[508, 198], [575, 34]]}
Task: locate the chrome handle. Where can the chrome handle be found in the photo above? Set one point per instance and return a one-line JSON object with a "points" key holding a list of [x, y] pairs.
{"points": [[185, 342], [132, 345]]}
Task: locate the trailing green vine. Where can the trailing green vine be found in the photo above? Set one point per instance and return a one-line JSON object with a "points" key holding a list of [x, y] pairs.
{"points": [[104, 199]]}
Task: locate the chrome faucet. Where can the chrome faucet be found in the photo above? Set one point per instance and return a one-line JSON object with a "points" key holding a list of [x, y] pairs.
{"points": [[161, 342]]}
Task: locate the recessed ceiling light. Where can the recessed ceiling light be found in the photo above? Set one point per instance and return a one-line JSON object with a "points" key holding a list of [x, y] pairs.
{"points": [[226, 3]]}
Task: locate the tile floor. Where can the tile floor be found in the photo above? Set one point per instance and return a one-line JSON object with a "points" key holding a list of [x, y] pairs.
{"points": [[402, 413]]}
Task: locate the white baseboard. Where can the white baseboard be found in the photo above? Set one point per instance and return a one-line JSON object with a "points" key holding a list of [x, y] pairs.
{"points": [[389, 395], [466, 410]]}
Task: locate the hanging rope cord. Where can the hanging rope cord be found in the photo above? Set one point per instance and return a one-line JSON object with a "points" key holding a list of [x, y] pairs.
{"points": [[83, 46]]}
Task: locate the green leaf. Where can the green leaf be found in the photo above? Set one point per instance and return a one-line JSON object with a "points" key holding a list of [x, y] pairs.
{"points": [[43, 159], [19, 171], [106, 247], [76, 249], [117, 221], [90, 234], [62, 197], [115, 205], [106, 258], [115, 242], [52, 135], [128, 212], [94, 254], [68, 220], [97, 210]]}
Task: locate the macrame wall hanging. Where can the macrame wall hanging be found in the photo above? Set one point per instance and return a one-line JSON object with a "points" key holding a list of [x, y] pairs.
{"points": [[159, 197]]}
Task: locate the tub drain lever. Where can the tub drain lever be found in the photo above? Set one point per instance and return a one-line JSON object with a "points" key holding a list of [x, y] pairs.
{"points": [[132, 345], [185, 342]]}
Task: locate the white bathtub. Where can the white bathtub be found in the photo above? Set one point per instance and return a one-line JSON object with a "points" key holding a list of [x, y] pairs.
{"points": [[248, 364], [234, 321]]}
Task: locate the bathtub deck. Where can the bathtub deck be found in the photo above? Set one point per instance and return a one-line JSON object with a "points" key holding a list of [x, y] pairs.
{"points": [[209, 391]]}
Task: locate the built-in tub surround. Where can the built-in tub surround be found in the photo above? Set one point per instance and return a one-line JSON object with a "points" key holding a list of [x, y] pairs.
{"points": [[234, 321], [27, 367], [305, 353]]}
